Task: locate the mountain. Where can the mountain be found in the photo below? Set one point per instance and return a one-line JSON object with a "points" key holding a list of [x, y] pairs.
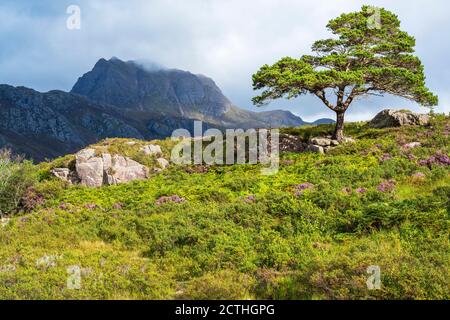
{"points": [[129, 85], [323, 121], [155, 94], [120, 99], [47, 125]]}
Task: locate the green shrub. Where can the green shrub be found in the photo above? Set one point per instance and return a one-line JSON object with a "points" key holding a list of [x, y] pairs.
{"points": [[16, 177]]}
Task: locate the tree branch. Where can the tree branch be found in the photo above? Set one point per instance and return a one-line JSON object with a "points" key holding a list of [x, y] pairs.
{"points": [[321, 95], [350, 98]]}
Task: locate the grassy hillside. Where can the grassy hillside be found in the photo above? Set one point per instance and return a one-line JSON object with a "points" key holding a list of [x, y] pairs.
{"points": [[309, 232]]}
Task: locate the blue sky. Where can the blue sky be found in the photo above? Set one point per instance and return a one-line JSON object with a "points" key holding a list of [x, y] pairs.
{"points": [[225, 40]]}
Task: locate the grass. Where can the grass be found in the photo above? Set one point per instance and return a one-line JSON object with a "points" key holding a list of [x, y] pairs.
{"points": [[218, 244]]}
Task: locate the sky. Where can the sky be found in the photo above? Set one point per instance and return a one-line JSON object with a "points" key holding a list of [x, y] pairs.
{"points": [[225, 40]]}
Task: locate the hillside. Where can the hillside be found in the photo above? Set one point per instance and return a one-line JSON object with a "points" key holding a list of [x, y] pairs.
{"points": [[195, 232]]}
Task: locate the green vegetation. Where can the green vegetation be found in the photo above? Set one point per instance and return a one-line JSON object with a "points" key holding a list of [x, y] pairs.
{"points": [[16, 176], [370, 55], [308, 232]]}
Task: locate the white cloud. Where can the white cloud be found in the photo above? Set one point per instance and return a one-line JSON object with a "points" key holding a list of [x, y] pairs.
{"points": [[226, 40]]}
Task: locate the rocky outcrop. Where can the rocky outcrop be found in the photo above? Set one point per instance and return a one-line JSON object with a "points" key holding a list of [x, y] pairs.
{"points": [[94, 170], [66, 175], [292, 143], [324, 144], [107, 169], [89, 168], [315, 148], [118, 169], [397, 118], [163, 163]]}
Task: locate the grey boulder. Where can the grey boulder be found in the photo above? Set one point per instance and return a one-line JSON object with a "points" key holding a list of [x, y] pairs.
{"points": [[95, 171], [66, 175], [397, 118], [316, 149]]}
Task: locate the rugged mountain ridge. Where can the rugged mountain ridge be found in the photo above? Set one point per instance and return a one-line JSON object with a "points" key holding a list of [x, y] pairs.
{"points": [[47, 125], [120, 99], [129, 85]]}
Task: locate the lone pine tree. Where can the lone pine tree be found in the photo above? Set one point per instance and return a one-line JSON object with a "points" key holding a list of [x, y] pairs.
{"points": [[370, 55]]}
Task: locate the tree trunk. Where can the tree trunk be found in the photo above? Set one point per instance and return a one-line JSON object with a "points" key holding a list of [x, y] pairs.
{"points": [[339, 130]]}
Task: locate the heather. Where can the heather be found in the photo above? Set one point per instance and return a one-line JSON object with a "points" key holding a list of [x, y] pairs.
{"points": [[228, 232]]}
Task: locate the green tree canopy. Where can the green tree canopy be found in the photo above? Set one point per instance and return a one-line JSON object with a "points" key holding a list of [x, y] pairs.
{"points": [[370, 55]]}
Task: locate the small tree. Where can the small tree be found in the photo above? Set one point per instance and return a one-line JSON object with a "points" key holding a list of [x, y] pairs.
{"points": [[369, 56]]}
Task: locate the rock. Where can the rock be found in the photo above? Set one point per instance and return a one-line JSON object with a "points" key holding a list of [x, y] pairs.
{"points": [[61, 173], [65, 175], [89, 168], [163, 163], [334, 143], [85, 155], [314, 148], [321, 141], [324, 144], [151, 150], [95, 171], [398, 118], [131, 143], [118, 169]]}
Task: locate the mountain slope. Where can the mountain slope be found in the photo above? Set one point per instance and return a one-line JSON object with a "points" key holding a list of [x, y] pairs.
{"points": [[129, 85], [46, 125], [120, 99], [145, 93]]}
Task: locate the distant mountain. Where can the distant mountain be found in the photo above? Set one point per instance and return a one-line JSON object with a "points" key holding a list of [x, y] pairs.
{"points": [[120, 99], [323, 121]]}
